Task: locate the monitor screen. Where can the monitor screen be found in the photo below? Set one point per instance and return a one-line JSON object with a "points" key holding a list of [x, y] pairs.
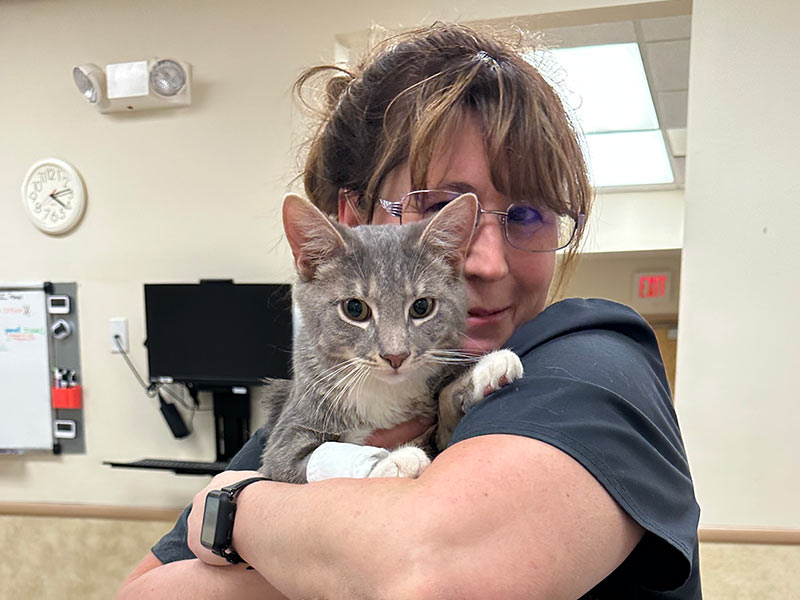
{"points": [[211, 335]]}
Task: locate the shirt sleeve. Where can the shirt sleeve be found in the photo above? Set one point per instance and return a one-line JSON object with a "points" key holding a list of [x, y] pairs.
{"points": [[173, 546], [595, 388]]}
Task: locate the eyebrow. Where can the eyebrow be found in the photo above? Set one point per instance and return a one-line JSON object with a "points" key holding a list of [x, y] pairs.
{"points": [[456, 186]]}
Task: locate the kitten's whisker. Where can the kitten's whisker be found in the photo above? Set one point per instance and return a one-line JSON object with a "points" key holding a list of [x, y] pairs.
{"points": [[360, 386], [348, 383], [452, 360], [341, 373], [466, 337], [455, 352], [455, 356], [339, 406], [332, 374], [337, 368]]}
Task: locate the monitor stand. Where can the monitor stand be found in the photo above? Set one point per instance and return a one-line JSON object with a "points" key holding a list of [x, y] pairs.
{"points": [[232, 422]]}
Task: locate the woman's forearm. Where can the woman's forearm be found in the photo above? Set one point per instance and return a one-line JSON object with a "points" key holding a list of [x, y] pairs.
{"points": [[340, 538], [195, 579], [501, 517]]}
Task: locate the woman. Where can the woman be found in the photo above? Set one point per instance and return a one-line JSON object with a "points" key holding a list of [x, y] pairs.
{"points": [[573, 482]]}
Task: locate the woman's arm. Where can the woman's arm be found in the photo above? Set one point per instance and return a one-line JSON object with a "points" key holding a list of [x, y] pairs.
{"points": [[153, 579], [496, 516]]}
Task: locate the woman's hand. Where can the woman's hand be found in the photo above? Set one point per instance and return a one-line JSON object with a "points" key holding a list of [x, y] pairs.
{"points": [[195, 520], [399, 434]]}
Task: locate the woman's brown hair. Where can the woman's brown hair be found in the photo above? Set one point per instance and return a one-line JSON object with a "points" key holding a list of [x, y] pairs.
{"points": [[404, 100]]}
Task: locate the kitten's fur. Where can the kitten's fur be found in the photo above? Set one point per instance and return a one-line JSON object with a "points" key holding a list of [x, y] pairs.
{"points": [[345, 385]]}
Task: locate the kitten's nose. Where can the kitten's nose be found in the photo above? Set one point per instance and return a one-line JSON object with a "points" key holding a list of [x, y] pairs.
{"points": [[395, 359]]}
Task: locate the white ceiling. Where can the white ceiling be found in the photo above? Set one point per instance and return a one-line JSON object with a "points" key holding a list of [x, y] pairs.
{"points": [[664, 43]]}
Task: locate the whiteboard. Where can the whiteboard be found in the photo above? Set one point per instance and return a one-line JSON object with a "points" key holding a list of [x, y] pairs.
{"points": [[26, 419]]}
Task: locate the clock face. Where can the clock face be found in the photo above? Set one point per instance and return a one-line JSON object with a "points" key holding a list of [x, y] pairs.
{"points": [[53, 195]]}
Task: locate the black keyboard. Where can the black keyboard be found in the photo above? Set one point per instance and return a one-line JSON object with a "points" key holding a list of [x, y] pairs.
{"points": [[180, 467]]}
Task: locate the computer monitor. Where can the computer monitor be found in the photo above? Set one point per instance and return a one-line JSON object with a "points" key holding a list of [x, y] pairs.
{"points": [[220, 337], [216, 335]]}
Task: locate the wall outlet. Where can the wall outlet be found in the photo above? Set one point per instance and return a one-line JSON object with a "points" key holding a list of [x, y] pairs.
{"points": [[118, 326]]}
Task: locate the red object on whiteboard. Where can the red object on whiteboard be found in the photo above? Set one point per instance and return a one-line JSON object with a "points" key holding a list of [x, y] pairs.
{"points": [[69, 397], [653, 286]]}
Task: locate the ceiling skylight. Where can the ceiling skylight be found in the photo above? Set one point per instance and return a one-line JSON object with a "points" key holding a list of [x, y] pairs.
{"points": [[628, 158], [605, 89]]}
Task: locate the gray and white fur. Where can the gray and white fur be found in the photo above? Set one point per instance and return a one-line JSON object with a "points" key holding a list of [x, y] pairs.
{"points": [[355, 375]]}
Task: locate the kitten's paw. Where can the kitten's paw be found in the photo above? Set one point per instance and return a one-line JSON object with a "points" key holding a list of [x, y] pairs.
{"points": [[493, 371], [408, 461]]}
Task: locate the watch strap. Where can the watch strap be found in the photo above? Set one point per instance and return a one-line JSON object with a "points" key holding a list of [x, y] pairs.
{"points": [[233, 490]]}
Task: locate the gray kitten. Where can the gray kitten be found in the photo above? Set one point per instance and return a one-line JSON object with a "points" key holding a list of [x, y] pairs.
{"points": [[383, 310]]}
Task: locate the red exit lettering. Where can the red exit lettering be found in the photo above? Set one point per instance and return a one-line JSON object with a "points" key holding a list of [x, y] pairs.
{"points": [[652, 286]]}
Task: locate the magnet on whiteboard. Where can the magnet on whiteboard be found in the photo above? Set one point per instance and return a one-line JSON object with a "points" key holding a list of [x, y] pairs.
{"points": [[61, 329], [58, 304], [65, 429]]}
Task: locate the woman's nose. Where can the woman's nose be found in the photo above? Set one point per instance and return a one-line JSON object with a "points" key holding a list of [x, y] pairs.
{"points": [[486, 258]]}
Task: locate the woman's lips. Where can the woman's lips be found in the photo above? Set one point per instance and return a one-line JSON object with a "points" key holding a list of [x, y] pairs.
{"points": [[477, 317]]}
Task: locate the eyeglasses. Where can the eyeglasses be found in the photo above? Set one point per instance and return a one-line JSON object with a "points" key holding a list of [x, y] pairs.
{"points": [[525, 227]]}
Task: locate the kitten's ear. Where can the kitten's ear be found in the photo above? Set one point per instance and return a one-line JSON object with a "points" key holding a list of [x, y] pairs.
{"points": [[451, 229], [311, 235]]}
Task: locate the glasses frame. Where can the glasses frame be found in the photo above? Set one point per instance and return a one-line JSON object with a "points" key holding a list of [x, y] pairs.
{"points": [[395, 208]]}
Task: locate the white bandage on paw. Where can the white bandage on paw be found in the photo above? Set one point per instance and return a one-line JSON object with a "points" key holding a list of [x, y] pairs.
{"points": [[340, 459]]}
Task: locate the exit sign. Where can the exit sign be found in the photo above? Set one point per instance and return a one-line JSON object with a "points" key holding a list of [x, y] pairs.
{"points": [[651, 286]]}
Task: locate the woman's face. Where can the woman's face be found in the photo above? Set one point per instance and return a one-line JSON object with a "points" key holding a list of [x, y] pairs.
{"points": [[505, 286]]}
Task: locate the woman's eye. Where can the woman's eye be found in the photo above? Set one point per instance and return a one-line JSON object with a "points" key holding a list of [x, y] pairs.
{"points": [[356, 309], [421, 307], [434, 208], [524, 215]]}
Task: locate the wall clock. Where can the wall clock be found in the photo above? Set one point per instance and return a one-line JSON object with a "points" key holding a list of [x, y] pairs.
{"points": [[53, 195]]}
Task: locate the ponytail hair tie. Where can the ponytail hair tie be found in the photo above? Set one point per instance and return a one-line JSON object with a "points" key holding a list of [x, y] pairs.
{"points": [[485, 57]]}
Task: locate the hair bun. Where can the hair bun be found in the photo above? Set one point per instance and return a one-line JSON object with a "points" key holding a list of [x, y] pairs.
{"points": [[336, 87]]}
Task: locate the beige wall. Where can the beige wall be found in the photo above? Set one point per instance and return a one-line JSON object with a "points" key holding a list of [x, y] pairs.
{"points": [[612, 275], [635, 222], [738, 346]]}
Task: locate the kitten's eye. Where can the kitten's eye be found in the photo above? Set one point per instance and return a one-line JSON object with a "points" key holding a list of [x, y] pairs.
{"points": [[356, 309], [421, 307]]}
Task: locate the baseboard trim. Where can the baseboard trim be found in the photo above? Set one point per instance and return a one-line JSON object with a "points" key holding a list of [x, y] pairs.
{"points": [[88, 511], [716, 535], [757, 535]]}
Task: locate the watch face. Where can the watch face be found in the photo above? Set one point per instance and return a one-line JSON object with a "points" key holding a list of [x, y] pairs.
{"points": [[208, 532], [53, 195]]}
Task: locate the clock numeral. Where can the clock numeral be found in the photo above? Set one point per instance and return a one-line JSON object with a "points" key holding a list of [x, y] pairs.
{"points": [[46, 214], [37, 207], [37, 186], [33, 195], [51, 173], [62, 214], [53, 216]]}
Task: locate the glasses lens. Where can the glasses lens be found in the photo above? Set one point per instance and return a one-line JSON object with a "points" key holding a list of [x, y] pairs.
{"points": [[426, 203], [537, 231]]}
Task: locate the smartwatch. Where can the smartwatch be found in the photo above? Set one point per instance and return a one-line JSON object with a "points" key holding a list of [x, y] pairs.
{"points": [[217, 530]]}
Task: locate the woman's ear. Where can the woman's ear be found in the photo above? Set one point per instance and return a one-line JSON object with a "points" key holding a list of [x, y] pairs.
{"points": [[348, 209]]}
